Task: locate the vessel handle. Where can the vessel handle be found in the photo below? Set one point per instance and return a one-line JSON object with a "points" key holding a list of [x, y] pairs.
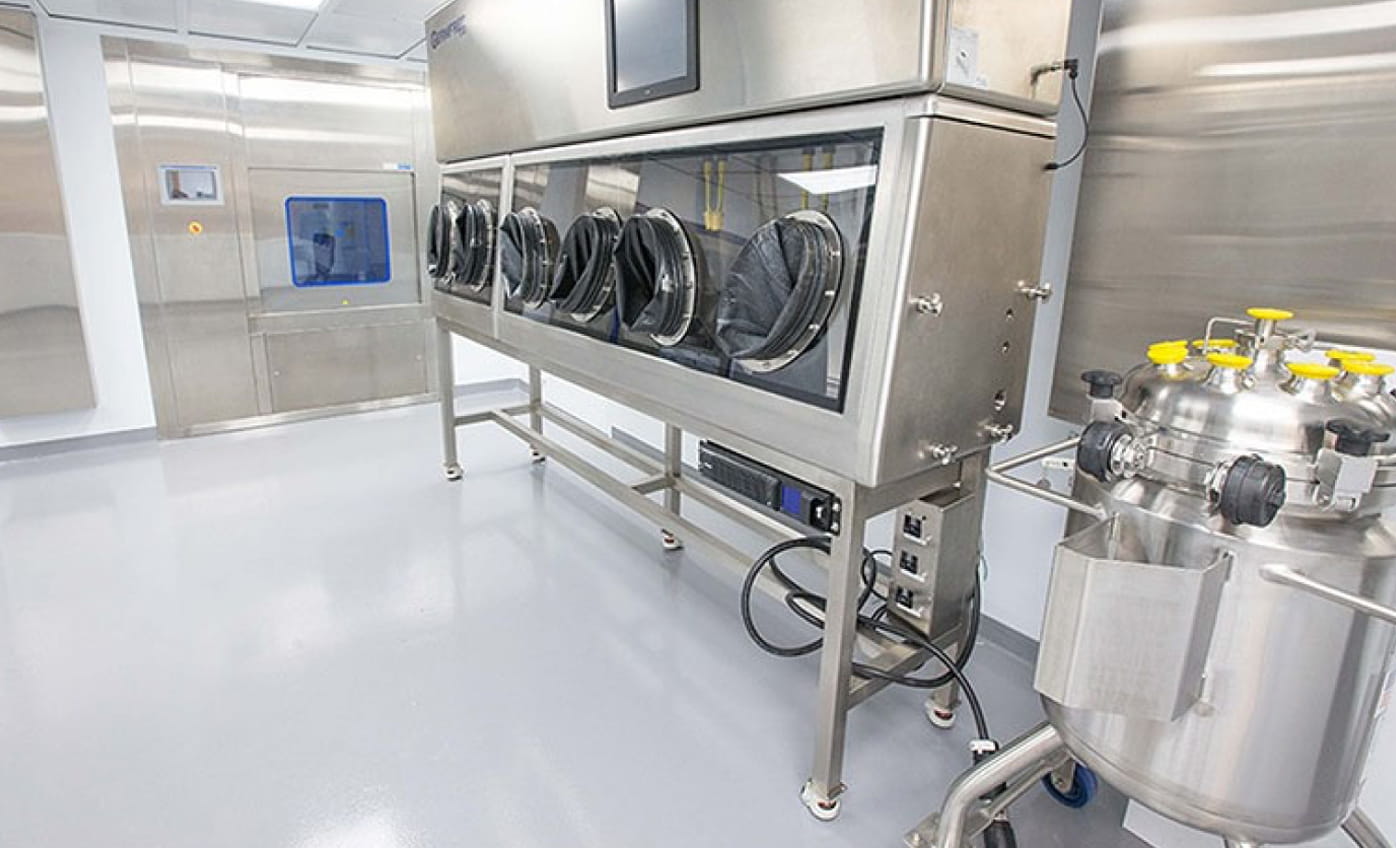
{"points": [[999, 474], [1287, 576]]}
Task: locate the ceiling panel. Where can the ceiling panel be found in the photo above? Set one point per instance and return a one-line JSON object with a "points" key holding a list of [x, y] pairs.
{"points": [[245, 20], [407, 10], [379, 37], [419, 53], [160, 14]]}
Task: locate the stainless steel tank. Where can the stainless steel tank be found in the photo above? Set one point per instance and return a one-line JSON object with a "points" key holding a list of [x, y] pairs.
{"points": [[1210, 647]]}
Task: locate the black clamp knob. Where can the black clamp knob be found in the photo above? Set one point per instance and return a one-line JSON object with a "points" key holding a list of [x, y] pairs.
{"points": [[1094, 454], [1253, 492], [1354, 439], [1102, 383]]}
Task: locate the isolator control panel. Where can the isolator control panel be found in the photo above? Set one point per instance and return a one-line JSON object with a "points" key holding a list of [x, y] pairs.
{"points": [[768, 487]]}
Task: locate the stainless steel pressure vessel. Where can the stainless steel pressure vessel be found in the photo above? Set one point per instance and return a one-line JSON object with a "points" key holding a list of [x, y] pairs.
{"points": [[1206, 649]]}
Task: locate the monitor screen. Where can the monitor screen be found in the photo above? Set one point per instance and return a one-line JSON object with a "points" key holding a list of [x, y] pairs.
{"points": [[654, 49]]}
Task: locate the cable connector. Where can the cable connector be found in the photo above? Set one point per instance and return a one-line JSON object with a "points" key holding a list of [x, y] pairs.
{"points": [[982, 748], [1072, 67]]}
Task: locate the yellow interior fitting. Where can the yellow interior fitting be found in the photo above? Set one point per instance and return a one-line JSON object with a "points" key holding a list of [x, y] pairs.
{"points": [[1369, 369], [1262, 313], [1176, 343], [1217, 344], [1312, 370], [1230, 360], [1346, 356], [1167, 354]]}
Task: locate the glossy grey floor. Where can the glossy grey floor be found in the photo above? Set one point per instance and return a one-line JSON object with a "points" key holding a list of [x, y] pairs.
{"points": [[306, 637]]}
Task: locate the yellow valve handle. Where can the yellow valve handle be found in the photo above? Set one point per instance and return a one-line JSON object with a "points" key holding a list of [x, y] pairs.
{"points": [[1168, 354], [1261, 313], [1217, 344], [1369, 369], [1230, 360], [1312, 370], [1348, 356]]}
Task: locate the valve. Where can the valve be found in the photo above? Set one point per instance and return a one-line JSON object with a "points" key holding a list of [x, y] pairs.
{"points": [[1252, 492], [1096, 453], [1102, 383], [1354, 439]]}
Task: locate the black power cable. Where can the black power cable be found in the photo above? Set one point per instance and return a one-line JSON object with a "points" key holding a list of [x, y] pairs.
{"points": [[1073, 70], [801, 601]]}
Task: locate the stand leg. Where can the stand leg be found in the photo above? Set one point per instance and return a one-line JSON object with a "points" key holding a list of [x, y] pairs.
{"points": [[822, 791], [1002, 778], [940, 706], [1364, 832], [446, 386], [535, 408], [673, 469]]}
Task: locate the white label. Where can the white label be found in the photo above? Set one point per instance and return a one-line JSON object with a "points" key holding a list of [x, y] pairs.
{"points": [[962, 61]]}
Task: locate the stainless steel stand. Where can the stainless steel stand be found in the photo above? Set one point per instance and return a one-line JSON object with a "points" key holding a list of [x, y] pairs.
{"points": [[839, 691]]}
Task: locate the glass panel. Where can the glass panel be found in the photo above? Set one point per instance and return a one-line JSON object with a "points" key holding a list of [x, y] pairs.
{"points": [[338, 241], [739, 260]]}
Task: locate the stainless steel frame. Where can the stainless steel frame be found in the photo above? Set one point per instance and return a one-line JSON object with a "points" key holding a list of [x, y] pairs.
{"points": [[44, 365], [231, 343], [839, 690]]}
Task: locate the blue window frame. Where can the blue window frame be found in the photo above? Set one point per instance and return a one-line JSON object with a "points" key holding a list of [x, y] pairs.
{"points": [[338, 241]]}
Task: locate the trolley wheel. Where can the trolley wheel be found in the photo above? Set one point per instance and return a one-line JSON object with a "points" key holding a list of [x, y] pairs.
{"points": [[454, 472], [939, 716], [824, 809], [536, 456], [1081, 792], [670, 541]]}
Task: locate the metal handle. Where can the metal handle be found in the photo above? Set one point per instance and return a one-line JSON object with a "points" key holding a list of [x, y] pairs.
{"points": [[1287, 576], [999, 474]]}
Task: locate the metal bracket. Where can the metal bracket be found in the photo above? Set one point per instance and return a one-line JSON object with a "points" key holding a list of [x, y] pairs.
{"points": [[999, 474], [1040, 291]]}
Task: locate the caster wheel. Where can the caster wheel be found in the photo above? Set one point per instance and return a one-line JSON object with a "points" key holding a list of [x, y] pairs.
{"points": [[1079, 794], [939, 716], [536, 457], [454, 473], [821, 808], [670, 541]]}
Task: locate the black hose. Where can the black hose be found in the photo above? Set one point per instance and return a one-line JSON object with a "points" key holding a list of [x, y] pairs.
{"points": [[801, 601]]}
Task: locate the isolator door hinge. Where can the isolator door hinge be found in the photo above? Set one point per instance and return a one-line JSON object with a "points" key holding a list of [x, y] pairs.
{"points": [[1041, 292]]}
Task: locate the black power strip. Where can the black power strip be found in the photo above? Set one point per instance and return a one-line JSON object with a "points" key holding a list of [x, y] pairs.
{"points": [[770, 488]]}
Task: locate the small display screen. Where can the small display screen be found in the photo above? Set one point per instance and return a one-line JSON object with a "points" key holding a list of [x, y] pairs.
{"points": [[191, 185], [653, 49], [338, 241]]}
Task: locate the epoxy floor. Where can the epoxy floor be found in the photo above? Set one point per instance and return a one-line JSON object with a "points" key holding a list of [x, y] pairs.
{"points": [[305, 637]]}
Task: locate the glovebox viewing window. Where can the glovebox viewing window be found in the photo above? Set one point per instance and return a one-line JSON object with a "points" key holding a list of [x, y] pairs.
{"points": [[338, 241]]}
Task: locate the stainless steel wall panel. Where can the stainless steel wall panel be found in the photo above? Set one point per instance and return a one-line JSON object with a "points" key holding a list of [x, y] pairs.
{"points": [[181, 118], [326, 368], [1241, 154], [522, 74], [43, 356], [347, 124]]}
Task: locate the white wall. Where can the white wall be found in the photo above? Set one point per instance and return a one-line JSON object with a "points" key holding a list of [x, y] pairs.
{"points": [[76, 86]]}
